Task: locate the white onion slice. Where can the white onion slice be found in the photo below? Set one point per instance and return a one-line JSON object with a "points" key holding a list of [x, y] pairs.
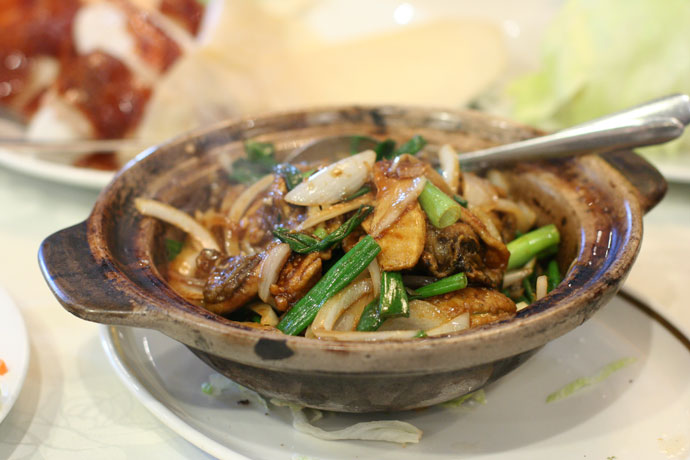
{"points": [[334, 182], [315, 218], [375, 273], [477, 191], [459, 323], [245, 199], [513, 277], [542, 284], [450, 166], [392, 204], [268, 316], [521, 306], [485, 219], [361, 336], [330, 312], [270, 268], [179, 219]]}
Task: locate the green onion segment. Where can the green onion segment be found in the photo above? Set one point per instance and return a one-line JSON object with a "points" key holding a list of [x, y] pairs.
{"points": [[441, 209], [443, 286], [302, 243], [530, 244], [346, 269]]}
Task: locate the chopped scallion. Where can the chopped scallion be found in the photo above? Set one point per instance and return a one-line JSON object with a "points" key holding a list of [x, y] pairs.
{"points": [[441, 209], [442, 286], [530, 244]]}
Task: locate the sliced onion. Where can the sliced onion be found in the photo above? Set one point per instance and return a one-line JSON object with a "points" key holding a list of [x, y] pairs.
{"points": [[477, 191], [423, 316], [360, 336], [350, 317], [334, 182], [497, 178], [450, 166], [521, 306], [268, 316], [459, 323], [179, 219], [524, 216], [391, 204], [317, 217], [336, 305], [270, 268], [488, 222], [542, 284], [516, 276], [189, 289], [248, 196], [375, 273]]}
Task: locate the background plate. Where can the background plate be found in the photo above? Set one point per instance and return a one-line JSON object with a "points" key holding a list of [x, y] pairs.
{"points": [[638, 412], [14, 350]]}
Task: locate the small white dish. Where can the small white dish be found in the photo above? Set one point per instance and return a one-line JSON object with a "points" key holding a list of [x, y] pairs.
{"points": [[638, 412], [14, 350]]}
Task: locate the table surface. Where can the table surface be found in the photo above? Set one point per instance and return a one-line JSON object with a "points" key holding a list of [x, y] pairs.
{"points": [[74, 406]]}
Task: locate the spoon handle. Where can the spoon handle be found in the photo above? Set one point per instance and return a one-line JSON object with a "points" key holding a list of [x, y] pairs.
{"points": [[578, 140]]}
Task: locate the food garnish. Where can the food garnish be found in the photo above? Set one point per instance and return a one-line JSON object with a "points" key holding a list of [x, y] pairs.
{"points": [[582, 382]]}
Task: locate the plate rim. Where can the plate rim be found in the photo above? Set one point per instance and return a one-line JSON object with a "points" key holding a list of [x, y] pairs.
{"points": [[206, 444], [6, 406]]}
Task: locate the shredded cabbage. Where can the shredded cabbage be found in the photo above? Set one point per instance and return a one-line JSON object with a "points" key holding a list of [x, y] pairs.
{"points": [[478, 396], [381, 430], [384, 430], [583, 382], [601, 56]]}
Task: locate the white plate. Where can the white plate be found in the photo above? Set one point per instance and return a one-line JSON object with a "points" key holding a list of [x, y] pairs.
{"points": [[14, 350], [54, 171], [638, 412]]}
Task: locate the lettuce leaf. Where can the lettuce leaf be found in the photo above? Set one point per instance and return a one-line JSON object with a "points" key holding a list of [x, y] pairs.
{"points": [[601, 56]]}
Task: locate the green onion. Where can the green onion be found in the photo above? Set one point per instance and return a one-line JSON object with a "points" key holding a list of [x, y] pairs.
{"points": [[528, 291], [362, 191], [461, 201], [302, 243], [530, 244], [583, 382], [320, 232], [393, 300], [370, 319], [207, 388], [340, 275], [441, 209], [443, 286], [172, 248], [290, 173], [260, 161], [553, 275], [420, 335], [385, 150], [355, 142], [412, 147]]}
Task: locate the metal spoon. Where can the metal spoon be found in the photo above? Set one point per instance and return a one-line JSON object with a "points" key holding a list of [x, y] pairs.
{"points": [[655, 122]]}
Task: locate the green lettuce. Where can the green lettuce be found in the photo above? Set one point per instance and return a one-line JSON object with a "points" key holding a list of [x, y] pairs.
{"points": [[601, 56]]}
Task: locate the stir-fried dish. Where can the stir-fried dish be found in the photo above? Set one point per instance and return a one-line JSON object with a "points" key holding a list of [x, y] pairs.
{"points": [[393, 242]]}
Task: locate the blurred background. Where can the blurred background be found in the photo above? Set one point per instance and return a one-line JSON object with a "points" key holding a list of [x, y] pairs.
{"points": [[152, 69]]}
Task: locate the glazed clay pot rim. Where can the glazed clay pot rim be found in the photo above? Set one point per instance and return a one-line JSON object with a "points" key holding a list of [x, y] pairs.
{"points": [[569, 301]]}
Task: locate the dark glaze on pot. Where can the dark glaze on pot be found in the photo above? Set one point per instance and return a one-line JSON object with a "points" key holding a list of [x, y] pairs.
{"points": [[106, 270]]}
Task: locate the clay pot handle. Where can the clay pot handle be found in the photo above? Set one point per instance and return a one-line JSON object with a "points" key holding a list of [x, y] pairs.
{"points": [[83, 286]]}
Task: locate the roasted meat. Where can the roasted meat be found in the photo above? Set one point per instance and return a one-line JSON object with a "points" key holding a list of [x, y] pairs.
{"points": [[484, 305], [465, 247], [298, 275], [231, 283]]}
